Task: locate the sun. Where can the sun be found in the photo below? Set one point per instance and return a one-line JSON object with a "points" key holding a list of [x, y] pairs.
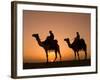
{"points": [[51, 60]]}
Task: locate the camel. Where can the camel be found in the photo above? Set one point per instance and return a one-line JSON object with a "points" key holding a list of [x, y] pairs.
{"points": [[48, 47], [80, 45]]}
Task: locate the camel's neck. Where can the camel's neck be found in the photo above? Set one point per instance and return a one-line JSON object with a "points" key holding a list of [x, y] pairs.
{"points": [[69, 44], [39, 41]]}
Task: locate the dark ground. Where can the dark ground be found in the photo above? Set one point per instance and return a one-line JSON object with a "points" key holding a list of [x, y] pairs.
{"points": [[73, 63]]}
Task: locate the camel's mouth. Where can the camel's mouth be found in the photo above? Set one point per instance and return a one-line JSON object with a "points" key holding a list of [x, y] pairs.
{"points": [[32, 35], [65, 39]]}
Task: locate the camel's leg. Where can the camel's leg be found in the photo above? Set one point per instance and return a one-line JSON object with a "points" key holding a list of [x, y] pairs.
{"points": [[59, 54], [78, 56], [85, 55], [75, 55], [47, 55], [55, 55]]}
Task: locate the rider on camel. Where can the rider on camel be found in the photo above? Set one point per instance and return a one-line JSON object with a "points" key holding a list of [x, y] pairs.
{"points": [[49, 38], [51, 35], [77, 38]]}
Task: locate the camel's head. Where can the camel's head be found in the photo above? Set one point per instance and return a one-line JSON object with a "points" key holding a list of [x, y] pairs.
{"points": [[35, 35], [66, 39], [68, 42]]}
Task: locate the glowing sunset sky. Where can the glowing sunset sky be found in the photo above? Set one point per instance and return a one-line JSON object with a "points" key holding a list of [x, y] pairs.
{"points": [[63, 25]]}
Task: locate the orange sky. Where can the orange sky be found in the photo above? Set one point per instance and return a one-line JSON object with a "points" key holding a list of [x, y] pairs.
{"points": [[63, 25]]}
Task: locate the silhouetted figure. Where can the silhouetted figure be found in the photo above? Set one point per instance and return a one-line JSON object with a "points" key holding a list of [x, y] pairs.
{"points": [[51, 35], [77, 38], [77, 46], [49, 39], [48, 47]]}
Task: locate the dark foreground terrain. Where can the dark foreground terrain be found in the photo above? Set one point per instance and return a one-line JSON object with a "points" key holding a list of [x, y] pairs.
{"points": [[73, 63]]}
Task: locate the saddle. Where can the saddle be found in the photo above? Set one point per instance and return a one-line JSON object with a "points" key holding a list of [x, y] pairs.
{"points": [[50, 42], [78, 43]]}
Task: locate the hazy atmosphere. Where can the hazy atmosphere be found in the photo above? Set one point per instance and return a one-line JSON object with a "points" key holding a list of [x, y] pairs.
{"points": [[62, 24]]}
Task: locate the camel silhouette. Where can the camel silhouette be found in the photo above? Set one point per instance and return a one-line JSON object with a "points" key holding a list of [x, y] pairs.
{"points": [[77, 46], [48, 46]]}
